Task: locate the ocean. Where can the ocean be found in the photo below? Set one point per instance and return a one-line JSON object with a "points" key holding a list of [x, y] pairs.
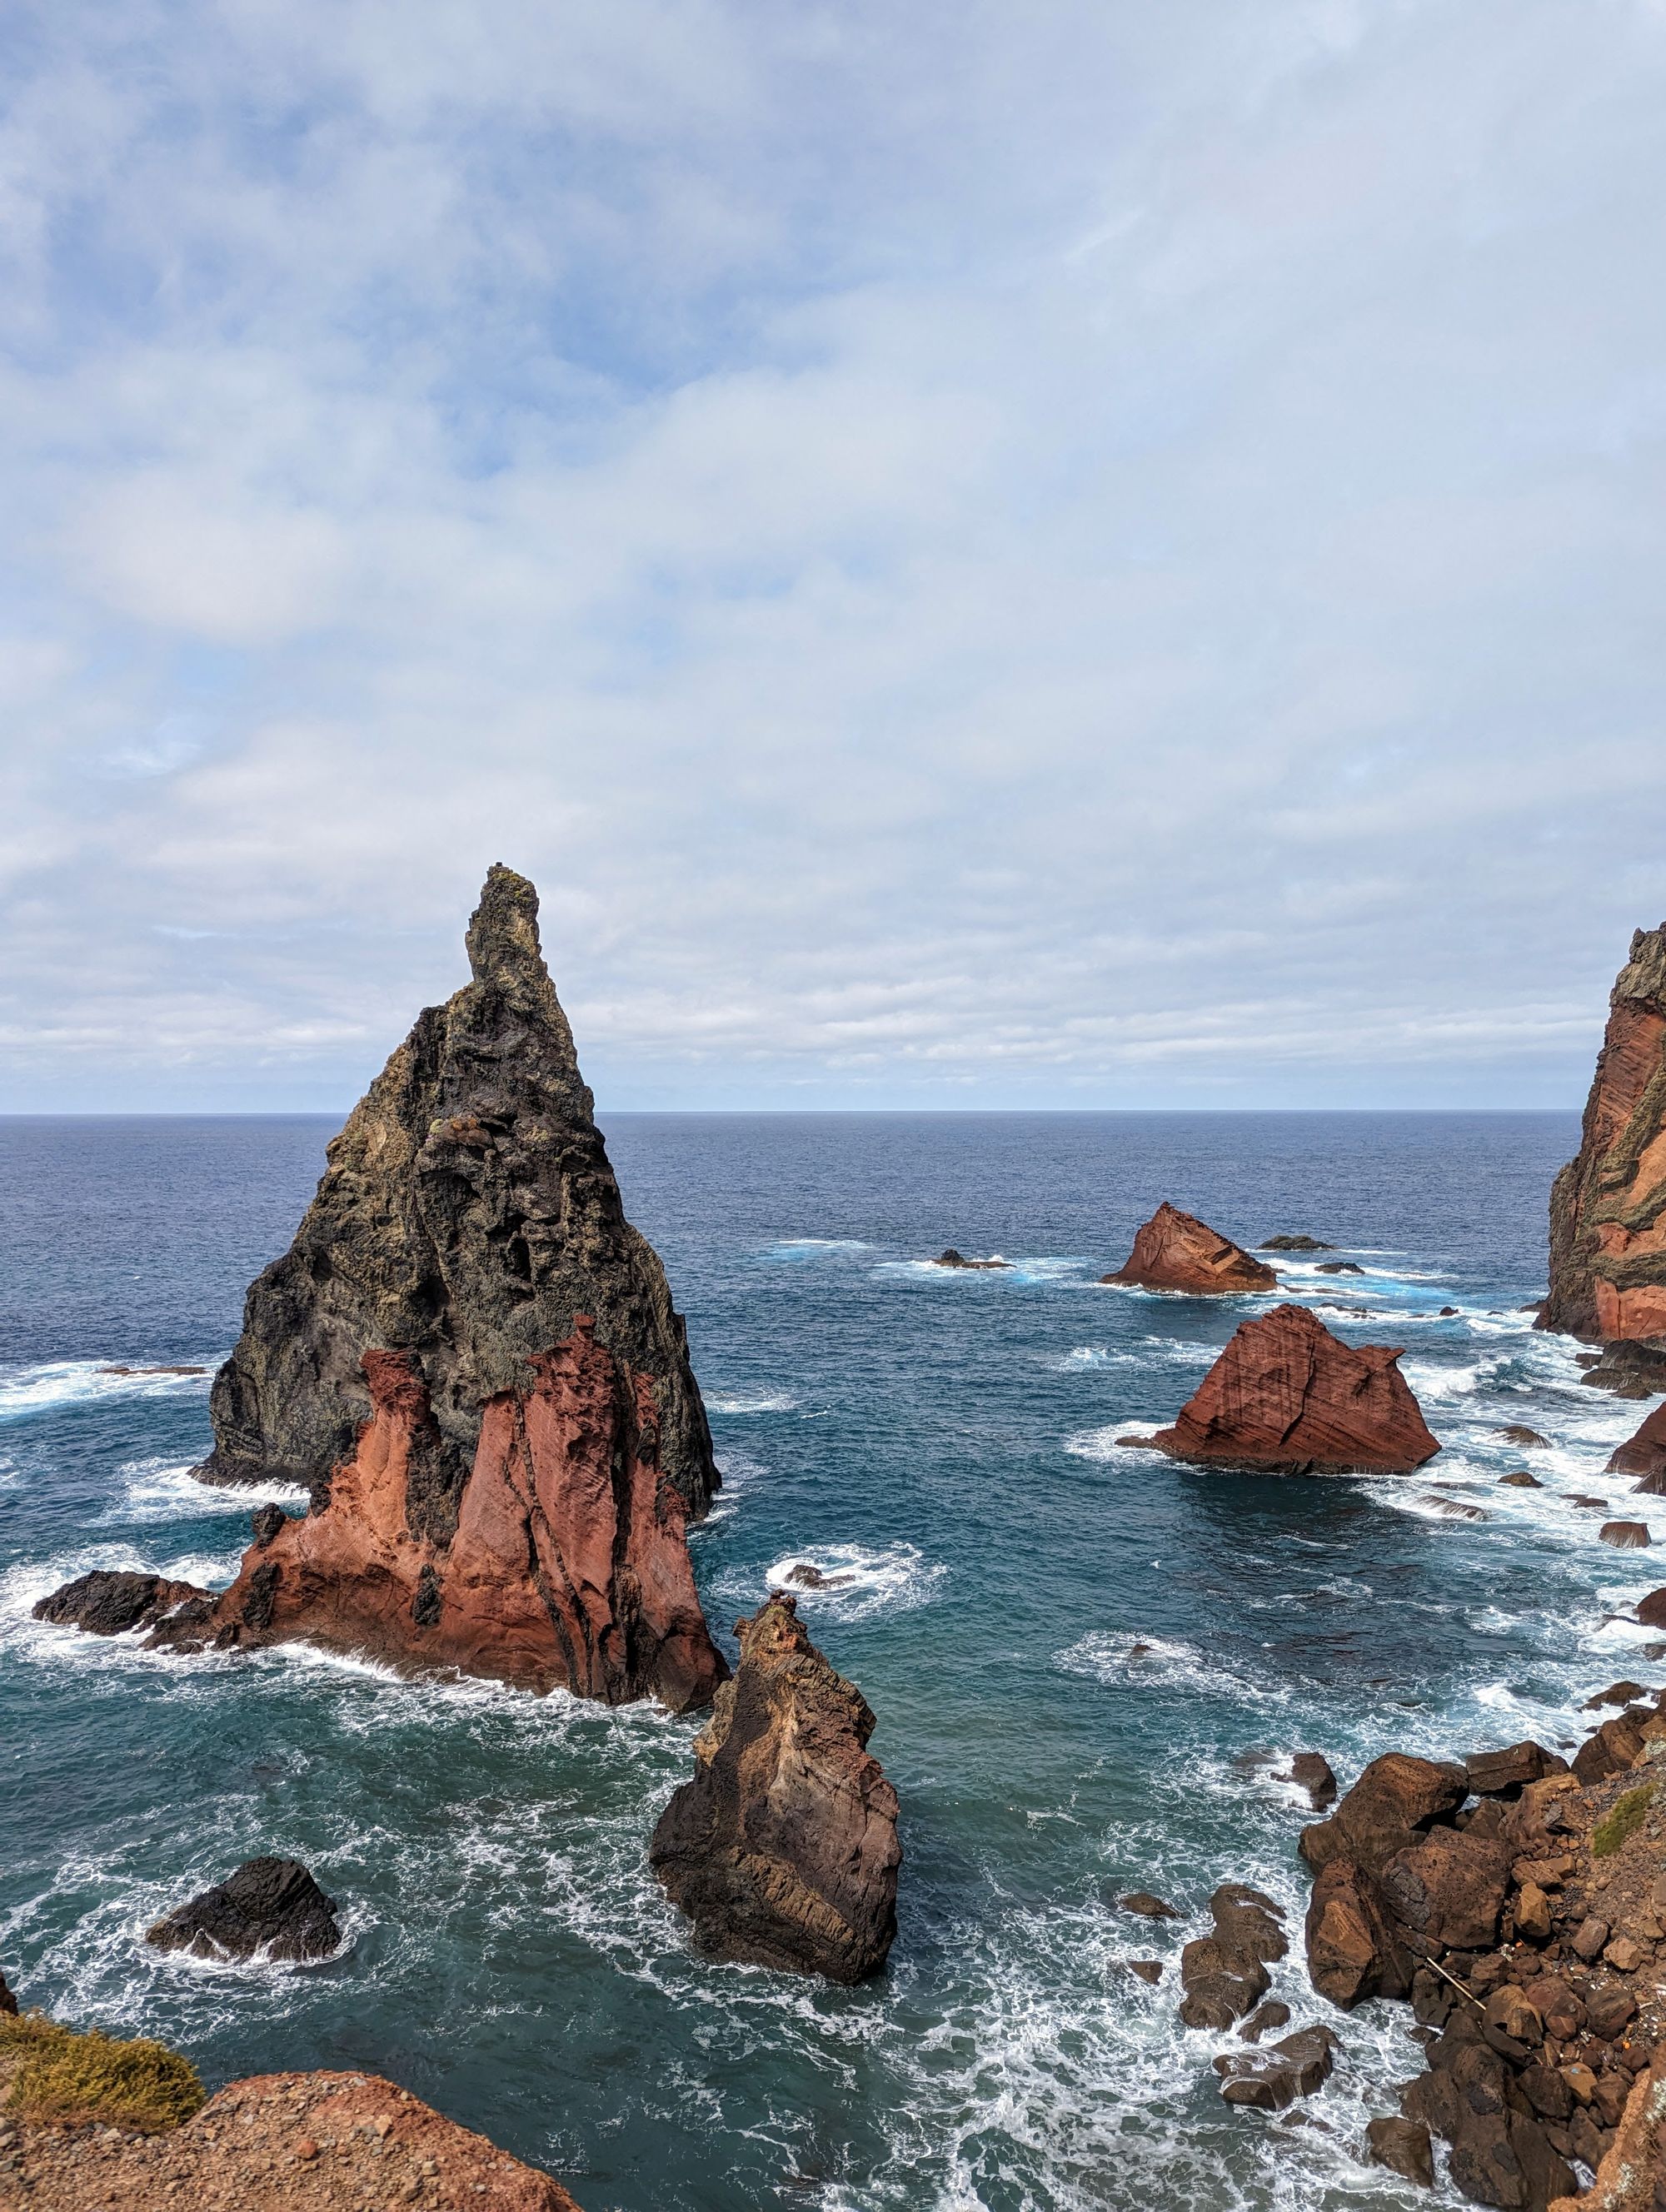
{"points": [[945, 1443]]}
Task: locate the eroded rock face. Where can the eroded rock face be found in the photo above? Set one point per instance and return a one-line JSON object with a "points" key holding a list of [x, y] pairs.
{"points": [[782, 1850], [567, 1567], [271, 1905], [1608, 1208], [1176, 1251], [469, 1213], [1286, 1396], [1644, 1456]]}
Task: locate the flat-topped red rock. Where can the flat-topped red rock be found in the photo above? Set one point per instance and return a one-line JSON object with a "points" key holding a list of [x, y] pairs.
{"points": [[1176, 1251], [1287, 1397]]}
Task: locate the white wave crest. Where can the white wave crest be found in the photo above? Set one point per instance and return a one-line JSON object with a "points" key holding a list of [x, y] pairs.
{"points": [[38, 1388], [856, 1582]]}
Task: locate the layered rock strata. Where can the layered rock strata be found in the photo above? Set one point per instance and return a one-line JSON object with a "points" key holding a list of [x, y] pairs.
{"points": [[1528, 1931], [472, 1360], [1608, 1208], [1176, 1251], [1286, 1396], [782, 1850]]}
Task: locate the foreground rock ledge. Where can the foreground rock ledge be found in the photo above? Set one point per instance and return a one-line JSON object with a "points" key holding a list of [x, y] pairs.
{"points": [[782, 1850], [1608, 1207], [1176, 1251], [1287, 1397], [472, 1359], [281, 2142]]}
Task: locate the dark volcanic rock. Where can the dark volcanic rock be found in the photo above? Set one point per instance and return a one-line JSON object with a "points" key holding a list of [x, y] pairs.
{"points": [[782, 1850], [8, 2002], [1644, 1454], [1393, 1804], [1149, 1907], [1339, 1267], [1629, 1371], [1354, 1951], [953, 1259], [1176, 1251], [269, 1905], [1287, 1244], [109, 1603], [1311, 1771], [1608, 1209], [468, 1216], [1269, 2079], [1224, 1974], [1286, 1396], [1403, 2146], [472, 1358]]}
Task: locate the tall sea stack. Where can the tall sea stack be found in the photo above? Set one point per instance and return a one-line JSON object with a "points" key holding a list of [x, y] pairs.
{"points": [[472, 1359], [1608, 1207]]}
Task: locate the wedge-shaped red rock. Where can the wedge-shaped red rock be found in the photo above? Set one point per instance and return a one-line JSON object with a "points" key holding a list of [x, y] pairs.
{"points": [[782, 1850], [1176, 1251], [1644, 1454], [1287, 1397]]}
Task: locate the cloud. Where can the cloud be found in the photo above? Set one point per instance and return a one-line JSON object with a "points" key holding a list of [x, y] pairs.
{"points": [[1084, 555]]}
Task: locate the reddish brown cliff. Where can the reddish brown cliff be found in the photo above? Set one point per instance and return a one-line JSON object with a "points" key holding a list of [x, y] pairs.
{"points": [[1288, 1397], [567, 1567], [1608, 1208], [782, 1850], [1176, 1251]]}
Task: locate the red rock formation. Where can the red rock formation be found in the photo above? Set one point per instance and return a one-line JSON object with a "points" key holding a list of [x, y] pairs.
{"points": [[1608, 1209], [1287, 1397], [1176, 1251], [782, 1850], [1644, 1456], [567, 1567]]}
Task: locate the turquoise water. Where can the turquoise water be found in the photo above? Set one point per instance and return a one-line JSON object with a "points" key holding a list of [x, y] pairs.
{"points": [[948, 1440]]}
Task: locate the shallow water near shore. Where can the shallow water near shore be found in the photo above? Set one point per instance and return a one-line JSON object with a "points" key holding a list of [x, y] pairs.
{"points": [[942, 1445]]}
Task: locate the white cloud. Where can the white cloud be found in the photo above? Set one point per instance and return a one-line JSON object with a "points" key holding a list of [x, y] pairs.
{"points": [[1087, 553]]}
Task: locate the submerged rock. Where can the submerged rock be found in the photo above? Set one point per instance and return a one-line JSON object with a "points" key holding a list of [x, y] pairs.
{"points": [[109, 1603], [1607, 1209], [269, 1905], [782, 1850], [1286, 1396], [472, 1358], [953, 1259], [1288, 1243], [1176, 1251]]}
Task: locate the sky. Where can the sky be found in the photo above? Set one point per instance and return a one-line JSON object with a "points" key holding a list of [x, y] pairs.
{"points": [[1078, 553]]}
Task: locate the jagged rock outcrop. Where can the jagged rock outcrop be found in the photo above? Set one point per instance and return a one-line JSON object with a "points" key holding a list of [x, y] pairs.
{"points": [[271, 1905], [472, 1360], [1176, 1251], [782, 1850], [1644, 1454], [468, 1215], [1286, 1396], [1608, 1207], [110, 1601]]}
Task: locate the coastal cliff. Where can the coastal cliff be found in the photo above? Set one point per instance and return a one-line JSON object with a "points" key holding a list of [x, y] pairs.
{"points": [[1608, 1206]]}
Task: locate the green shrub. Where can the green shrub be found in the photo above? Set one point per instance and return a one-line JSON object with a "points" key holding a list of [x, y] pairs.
{"points": [[1623, 1819], [65, 2077]]}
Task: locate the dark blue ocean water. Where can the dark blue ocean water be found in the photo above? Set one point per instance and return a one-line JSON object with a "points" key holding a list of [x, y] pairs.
{"points": [[945, 1440]]}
